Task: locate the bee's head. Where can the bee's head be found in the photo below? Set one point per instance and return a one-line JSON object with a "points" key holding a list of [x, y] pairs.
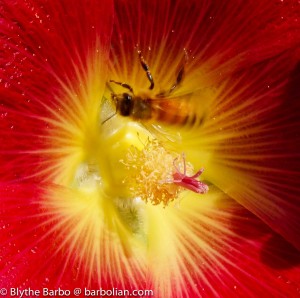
{"points": [[124, 103]]}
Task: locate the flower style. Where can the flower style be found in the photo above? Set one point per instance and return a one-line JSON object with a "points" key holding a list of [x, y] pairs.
{"points": [[91, 199]]}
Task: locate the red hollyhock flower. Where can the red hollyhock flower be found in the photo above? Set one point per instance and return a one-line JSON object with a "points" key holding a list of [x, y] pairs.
{"points": [[94, 200]]}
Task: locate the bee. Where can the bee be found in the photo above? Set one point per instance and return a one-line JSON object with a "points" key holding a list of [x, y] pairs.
{"points": [[162, 108]]}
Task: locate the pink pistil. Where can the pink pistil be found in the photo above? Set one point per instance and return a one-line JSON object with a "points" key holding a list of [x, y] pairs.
{"points": [[189, 182]]}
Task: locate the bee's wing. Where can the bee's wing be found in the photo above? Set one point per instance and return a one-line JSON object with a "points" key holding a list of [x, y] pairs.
{"points": [[191, 108], [165, 132]]}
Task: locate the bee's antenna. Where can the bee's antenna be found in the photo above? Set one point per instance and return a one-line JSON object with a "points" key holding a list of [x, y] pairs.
{"points": [[146, 68], [109, 87], [180, 73]]}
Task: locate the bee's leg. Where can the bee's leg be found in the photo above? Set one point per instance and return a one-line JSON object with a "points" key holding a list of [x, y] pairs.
{"points": [[108, 118], [180, 73], [147, 70], [178, 78], [123, 85]]}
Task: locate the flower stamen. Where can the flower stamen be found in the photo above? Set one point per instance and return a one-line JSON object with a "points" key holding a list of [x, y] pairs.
{"points": [[152, 177]]}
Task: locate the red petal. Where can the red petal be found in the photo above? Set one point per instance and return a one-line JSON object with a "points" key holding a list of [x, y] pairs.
{"points": [[216, 248], [50, 50], [256, 159], [221, 38], [47, 241], [233, 253], [29, 254], [227, 38]]}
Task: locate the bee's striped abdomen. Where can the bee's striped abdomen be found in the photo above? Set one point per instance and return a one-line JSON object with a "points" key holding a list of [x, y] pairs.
{"points": [[174, 112]]}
